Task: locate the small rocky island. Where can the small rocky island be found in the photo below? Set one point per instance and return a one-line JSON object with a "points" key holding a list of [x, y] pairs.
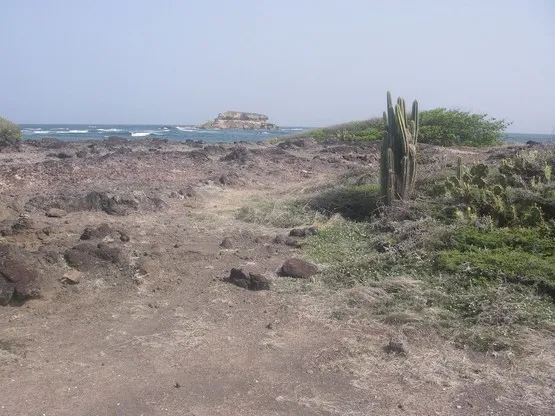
{"points": [[237, 120]]}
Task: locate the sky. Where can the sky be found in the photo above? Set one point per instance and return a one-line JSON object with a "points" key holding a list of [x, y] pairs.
{"points": [[301, 62]]}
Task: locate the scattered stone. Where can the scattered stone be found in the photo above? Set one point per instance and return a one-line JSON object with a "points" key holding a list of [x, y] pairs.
{"points": [[270, 326], [230, 179], [292, 242], [72, 277], [81, 260], [251, 282], [298, 269], [279, 239], [56, 213], [239, 278], [189, 192], [395, 346], [22, 224], [258, 282], [227, 243], [103, 231], [7, 289], [21, 277], [303, 232], [239, 154]]}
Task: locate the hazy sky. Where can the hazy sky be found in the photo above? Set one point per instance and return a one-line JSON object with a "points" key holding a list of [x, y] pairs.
{"points": [[302, 62]]}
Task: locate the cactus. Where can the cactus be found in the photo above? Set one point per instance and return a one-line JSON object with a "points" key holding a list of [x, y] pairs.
{"points": [[459, 168], [398, 153]]}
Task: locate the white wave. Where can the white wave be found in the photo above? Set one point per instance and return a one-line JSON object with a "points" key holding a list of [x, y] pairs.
{"points": [[41, 132], [186, 128], [72, 132], [110, 130], [265, 132], [141, 133], [293, 129]]}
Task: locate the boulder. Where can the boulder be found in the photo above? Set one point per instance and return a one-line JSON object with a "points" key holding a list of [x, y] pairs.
{"points": [[252, 281], [86, 256], [103, 231], [303, 232], [298, 268], [20, 281], [238, 154]]}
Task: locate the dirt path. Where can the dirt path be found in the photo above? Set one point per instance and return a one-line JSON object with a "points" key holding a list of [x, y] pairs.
{"points": [[175, 339]]}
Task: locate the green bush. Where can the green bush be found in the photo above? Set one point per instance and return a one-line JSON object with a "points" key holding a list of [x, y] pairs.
{"points": [[9, 132], [365, 130], [438, 126], [454, 127]]}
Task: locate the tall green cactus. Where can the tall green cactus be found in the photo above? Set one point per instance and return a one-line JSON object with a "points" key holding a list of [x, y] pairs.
{"points": [[398, 154]]}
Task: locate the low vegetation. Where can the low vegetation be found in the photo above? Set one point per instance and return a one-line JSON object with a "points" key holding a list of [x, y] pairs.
{"points": [[471, 257], [439, 126], [10, 133]]}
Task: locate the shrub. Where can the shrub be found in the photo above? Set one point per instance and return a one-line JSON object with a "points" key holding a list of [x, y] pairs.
{"points": [[9, 133], [454, 127], [365, 130]]}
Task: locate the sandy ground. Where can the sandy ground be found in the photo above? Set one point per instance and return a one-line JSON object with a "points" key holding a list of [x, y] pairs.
{"points": [[155, 329]]}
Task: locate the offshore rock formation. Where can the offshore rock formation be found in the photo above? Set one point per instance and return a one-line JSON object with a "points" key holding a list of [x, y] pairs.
{"points": [[236, 120]]}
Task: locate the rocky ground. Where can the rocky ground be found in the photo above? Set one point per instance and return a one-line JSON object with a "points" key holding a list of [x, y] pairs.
{"points": [[130, 287]]}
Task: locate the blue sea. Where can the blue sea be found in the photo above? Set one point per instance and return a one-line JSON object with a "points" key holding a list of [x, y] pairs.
{"points": [[71, 132]]}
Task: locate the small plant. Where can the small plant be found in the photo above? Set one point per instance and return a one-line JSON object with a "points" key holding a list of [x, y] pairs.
{"points": [[398, 154], [10, 133]]}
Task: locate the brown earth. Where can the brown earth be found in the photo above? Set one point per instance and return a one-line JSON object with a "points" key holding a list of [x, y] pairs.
{"points": [[129, 246]]}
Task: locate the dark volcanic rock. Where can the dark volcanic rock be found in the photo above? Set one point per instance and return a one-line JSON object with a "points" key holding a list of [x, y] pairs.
{"points": [[297, 268], [189, 192], [227, 243], [87, 256], [119, 204], [258, 282], [102, 231], [252, 281], [239, 154], [231, 179], [21, 277], [303, 232], [292, 242], [239, 278], [199, 155], [23, 224], [7, 289], [81, 260]]}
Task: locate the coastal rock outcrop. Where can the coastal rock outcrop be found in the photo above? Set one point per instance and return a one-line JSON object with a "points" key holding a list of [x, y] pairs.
{"points": [[237, 120]]}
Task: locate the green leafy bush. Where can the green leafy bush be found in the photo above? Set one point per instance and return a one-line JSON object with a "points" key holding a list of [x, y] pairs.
{"points": [[10, 133], [365, 130], [454, 127]]}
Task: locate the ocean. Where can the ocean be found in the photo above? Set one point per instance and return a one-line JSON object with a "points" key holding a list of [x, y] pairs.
{"points": [[71, 132]]}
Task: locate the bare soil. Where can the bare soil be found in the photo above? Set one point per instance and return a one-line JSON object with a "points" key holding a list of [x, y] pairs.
{"points": [[148, 324]]}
